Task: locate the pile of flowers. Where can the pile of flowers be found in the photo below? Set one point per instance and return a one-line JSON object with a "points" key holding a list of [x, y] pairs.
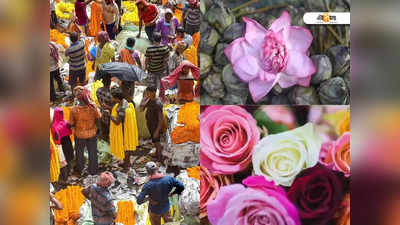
{"points": [[131, 14], [267, 165], [187, 116], [64, 10], [194, 172], [126, 213], [57, 37], [71, 199]]}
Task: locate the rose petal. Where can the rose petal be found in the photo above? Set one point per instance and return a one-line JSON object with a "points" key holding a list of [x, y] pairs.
{"points": [[216, 208], [299, 65], [259, 89], [282, 22], [297, 38], [254, 33]]}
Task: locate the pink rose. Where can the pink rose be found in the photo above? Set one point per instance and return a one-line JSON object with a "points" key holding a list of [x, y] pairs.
{"points": [[336, 154], [260, 203], [280, 114], [228, 135], [264, 58], [209, 187]]}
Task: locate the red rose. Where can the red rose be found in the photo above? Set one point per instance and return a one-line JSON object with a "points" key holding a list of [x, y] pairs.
{"points": [[317, 194], [210, 184]]}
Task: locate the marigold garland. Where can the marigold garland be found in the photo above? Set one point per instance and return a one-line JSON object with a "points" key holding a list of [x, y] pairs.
{"points": [[64, 10], [58, 37], [194, 172], [54, 161], [126, 213], [96, 85], [196, 40], [126, 138], [131, 15], [188, 116], [71, 199], [96, 18], [191, 55]]}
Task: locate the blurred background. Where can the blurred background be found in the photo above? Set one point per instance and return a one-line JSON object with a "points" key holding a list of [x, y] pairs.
{"points": [[24, 115]]}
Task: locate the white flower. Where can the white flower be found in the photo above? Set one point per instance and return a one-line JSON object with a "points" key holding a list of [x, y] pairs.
{"points": [[280, 157]]}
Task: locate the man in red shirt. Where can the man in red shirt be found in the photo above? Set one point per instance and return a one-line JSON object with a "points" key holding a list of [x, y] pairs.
{"points": [[81, 15], [148, 14]]}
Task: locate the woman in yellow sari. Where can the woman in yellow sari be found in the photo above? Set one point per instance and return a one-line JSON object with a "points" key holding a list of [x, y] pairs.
{"points": [[124, 136]]}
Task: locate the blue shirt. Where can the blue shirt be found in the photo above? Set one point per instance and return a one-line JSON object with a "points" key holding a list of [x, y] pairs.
{"points": [[158, 190]]}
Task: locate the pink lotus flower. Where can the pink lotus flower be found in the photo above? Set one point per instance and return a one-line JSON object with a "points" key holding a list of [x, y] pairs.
{"points": [[264, 58], [260, 203]]}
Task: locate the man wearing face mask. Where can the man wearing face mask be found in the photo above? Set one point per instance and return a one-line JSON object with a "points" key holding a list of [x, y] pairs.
{"points": [[111, 17], [167, 27]]}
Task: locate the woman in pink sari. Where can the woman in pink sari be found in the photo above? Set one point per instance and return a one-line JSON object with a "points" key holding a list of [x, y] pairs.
{"points": [[61, 131]]}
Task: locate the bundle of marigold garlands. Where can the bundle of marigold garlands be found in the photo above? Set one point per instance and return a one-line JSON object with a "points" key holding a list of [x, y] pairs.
{"points": [[71, 199], [275, 165], [190, 124], [131, 14]]}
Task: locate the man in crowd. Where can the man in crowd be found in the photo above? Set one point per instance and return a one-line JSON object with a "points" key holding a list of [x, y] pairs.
{"points": [[105, 52], [157, 191], [129, 55], [148, 16], [83, 119], [111, 17], [54, 71], [105, 100], [177, 56], [103, 209], [167, 26], [192, 17], [154, 118], [182, 36], [157, 57], [81, 14], [77, 64]]}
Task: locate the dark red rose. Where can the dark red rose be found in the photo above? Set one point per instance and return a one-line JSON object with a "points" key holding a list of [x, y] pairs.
{"points": [[317, 193]]}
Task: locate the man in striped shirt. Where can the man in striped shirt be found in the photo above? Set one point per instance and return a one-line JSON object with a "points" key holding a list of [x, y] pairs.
{"points": [[157, 57], [77, 65], [192, 17]]}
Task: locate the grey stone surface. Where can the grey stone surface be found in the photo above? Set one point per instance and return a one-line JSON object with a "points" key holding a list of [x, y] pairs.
{"points": [[324, 69], [303, 96], [334, 92], [214, 86]]}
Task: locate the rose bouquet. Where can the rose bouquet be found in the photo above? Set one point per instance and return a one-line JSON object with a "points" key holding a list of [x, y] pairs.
{"points": [[274, 165]]}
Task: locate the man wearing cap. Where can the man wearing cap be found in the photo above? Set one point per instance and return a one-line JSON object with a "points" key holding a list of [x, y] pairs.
{"points": [[157, 191], [182, 36], [103, 209]]}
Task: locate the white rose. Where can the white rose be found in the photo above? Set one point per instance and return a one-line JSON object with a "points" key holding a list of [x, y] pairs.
{"points": [[280, 157]]}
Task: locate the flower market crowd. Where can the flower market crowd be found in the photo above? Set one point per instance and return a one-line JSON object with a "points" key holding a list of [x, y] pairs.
{"points": [[122, 145]]}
